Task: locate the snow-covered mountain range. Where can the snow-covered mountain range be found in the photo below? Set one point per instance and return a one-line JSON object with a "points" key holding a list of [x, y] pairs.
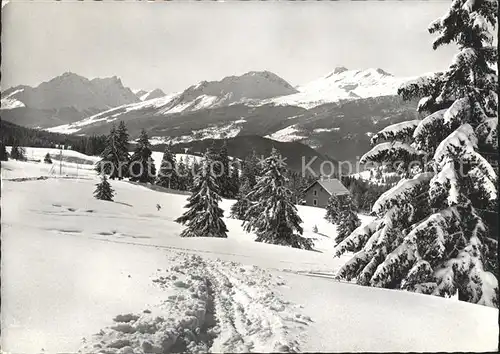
{"points": [[149, 95], [343, 84], [75, 95], [341, 109], [72, 90]]}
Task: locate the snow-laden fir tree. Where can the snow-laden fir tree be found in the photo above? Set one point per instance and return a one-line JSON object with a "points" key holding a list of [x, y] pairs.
{"points": [[204, 216], [17, 152], [224, 180], [142, 167], [250, 171], [239, 209], [103, 190], [113, 157], [167, 176], [47, 158], [234, 180], [272, 214], [122, 142], [333, 209], [184, 176], [347, 220], [432, 233], [193, 169]]}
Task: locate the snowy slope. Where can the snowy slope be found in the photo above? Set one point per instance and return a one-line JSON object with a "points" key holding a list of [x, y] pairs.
{"points": [[9, 102], [117, 274], [157, 93], [113, 114], [343, 84]]}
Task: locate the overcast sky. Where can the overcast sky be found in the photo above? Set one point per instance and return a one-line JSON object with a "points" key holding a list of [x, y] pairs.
{"points": [[171, 45]]}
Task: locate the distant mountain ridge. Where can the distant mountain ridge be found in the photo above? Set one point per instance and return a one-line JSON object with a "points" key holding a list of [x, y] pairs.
{"points": [[72, 90], [343, 84], [65, 99]]}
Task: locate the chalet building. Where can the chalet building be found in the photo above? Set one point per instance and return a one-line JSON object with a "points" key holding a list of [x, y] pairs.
{"points": [[318, 193]]}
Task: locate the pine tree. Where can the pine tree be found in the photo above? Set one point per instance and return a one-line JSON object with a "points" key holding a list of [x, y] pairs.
{"points": [[103, 190], [112, 157], [224, 180], [193, 168], [183, 176], [348, 219], [47, 158], [432, 234], [142, 166], [239, 209], [251, 170], [122, 146], [204, 216], [17, 152], [333, 210], [248, 179], [167, 176], [234, 185], [272, 214]]}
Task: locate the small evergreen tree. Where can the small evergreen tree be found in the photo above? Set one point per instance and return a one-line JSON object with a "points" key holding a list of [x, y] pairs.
{"points": [[167, 176], [113, 157], [17, 152], [333, 209], [348, 219], [141, 163], [234, 181], [122, 146], [272, 214], [251, 170], [239, 209], [183, 176], [103, 190], [224, 180], [204, 216], [193, 168], [47, 158]]}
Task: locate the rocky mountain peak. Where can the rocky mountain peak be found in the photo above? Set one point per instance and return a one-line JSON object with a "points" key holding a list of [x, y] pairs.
{"points": [[78, 92], [383, 72], [339, 69]]}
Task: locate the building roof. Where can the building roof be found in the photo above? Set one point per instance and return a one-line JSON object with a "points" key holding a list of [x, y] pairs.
{"points": [[332, 186]]}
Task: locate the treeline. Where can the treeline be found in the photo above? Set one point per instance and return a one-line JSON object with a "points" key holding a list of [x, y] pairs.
{"points": [[232, 174], [365, 193], [12, 134]]}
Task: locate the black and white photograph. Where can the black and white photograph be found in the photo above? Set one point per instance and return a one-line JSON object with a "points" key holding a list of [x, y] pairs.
{"points": [[249, 176]]}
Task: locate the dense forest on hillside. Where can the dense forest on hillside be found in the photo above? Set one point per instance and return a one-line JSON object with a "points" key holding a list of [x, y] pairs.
{"points": [[11, 133]]}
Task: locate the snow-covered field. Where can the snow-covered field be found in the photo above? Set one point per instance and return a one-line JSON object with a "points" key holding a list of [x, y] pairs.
{"points": [[79, 273]]}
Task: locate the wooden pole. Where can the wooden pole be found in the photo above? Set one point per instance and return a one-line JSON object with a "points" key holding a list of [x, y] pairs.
{"points": [[60, 162]]}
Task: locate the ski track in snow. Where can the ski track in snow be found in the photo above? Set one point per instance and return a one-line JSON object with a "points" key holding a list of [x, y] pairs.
{"points": [[210, 306]]}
